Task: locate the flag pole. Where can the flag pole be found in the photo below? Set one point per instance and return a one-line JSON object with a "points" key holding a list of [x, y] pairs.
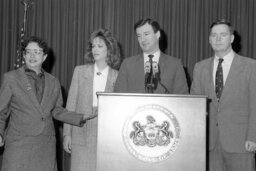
{"points": [[26, 4], [19, 60]]}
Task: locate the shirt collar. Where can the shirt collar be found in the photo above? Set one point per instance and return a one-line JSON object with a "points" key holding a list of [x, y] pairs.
{"points": [[155, 58], [30, 71], [228, 58]]}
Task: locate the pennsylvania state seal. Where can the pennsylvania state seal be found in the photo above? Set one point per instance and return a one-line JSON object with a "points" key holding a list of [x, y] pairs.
{"points": [[152, 133]]}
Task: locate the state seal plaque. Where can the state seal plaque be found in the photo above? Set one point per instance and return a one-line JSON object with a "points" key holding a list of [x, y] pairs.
{"points": [[152, 133]]}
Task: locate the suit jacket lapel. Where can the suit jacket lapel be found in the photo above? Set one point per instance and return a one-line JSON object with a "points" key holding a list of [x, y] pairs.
{"points": [[110, 80], [88, 78], [162, 61], [232, 75], [48, 88], [162, 67], [139, 78], [211, 83], [27, 87]]}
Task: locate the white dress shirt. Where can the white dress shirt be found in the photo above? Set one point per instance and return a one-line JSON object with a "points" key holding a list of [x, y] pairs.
{"points": [[155, 58], [99, 82], [226, 64]]}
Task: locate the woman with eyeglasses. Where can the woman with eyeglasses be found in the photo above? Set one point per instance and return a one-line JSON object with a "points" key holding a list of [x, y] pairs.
{"points": [[97, 75], [29, 100]]}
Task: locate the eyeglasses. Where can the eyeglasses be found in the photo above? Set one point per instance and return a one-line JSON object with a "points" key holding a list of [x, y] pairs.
{"points": [[34, 51]]}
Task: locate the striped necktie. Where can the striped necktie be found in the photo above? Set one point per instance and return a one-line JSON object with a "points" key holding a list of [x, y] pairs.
{"points": [[219, 79]]}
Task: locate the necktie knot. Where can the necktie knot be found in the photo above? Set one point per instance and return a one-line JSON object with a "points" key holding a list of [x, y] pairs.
{"points": [[150, 58], [221, 60]]}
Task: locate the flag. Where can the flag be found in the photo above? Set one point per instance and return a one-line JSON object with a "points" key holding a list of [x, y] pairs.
{"points": [[19, 56]]}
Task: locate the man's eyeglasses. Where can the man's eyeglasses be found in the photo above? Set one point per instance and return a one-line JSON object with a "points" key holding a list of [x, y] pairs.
{"points": [[34, 51]]}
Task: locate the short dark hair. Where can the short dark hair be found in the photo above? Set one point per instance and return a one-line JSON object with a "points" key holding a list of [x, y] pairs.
{"points": [[223, 21], [113, 54], [151, 22], [41, 43]]}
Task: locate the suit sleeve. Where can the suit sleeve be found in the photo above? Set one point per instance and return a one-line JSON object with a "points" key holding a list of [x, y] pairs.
{"points": [[195, 86], [180, 82], [72, 100], [5, 98], [63, 114], [121, 81], [251, 133]]}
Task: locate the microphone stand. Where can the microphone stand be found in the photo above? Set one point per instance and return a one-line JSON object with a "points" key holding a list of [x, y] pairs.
{"points": [[158, 78], [166, 91], [149, 85]]}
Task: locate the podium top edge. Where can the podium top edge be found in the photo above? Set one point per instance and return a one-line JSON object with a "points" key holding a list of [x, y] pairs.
{"points": [[150, 95]]}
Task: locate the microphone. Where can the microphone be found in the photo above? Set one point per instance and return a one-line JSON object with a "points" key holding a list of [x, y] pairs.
{"points": [[150, 76], [147, 69], [155, 69]]}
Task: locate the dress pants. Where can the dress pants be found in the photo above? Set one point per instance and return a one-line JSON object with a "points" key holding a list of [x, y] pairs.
{"points": [[220, 160]]}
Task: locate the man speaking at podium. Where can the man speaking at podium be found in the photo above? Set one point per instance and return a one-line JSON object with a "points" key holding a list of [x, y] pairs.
{"points": [[151, 71]]}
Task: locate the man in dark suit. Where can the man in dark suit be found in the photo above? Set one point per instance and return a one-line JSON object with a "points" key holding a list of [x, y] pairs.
{"points": [[229, 80], [31, 98], [168, 76]]}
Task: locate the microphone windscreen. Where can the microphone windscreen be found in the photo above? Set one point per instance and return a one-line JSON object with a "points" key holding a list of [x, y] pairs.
{"points": [[155, 68], [147, 67]]}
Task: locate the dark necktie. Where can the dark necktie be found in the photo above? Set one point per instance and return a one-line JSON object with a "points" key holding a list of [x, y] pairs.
{"points": [[149, 81], [219, 79], [151, 62]]}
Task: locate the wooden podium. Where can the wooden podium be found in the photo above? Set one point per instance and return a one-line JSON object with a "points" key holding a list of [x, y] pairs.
{"points": [[151, 132]]}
